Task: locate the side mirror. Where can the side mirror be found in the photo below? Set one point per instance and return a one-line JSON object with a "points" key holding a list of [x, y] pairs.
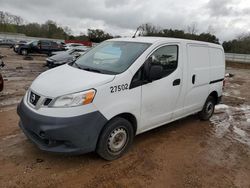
{"points": [[155, 72], [151, 70], [147, 66]]}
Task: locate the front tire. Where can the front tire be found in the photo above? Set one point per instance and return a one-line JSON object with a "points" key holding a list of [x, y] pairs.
{"points": [[115, 139], [24, 52], [208, 109]]}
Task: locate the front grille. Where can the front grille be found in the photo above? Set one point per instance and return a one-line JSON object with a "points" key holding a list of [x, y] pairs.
{"points": [[47, 101], [34, 98]]}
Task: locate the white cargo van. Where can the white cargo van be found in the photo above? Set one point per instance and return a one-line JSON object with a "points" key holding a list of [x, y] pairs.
{"points": [[119, 89]]}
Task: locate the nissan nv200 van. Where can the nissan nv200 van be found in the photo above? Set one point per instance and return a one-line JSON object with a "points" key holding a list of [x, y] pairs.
{"points": [[119, 89]]}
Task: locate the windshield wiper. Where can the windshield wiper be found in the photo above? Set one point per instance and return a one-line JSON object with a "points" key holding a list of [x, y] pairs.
{"points": [[74, 63], [92, 70], [87, 69]]}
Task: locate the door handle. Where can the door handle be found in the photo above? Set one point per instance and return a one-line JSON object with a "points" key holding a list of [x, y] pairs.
{"points": [[176, 82], [193, 79]]}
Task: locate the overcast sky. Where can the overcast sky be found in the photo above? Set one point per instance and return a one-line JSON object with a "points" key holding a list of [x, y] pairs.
{"points": [[225, 18]]}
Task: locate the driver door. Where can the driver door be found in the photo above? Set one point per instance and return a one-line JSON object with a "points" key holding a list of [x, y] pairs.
{"points": [[34, 47], [159, 98]]}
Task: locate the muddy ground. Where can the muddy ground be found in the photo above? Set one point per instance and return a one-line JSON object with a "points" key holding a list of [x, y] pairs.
{"points": [[186, 153]]}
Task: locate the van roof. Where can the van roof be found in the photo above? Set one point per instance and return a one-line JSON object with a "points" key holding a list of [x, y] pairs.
{"points": [[163, 39]]}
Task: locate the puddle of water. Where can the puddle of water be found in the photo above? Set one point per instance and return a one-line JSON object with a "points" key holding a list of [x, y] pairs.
{"points": [[10, 145], [232, 122], [233, 94], [221, 106], [10, 136], [10, 102]]}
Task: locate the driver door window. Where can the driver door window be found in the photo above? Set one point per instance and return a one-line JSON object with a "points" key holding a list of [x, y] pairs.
{"points": [[167, 57]]}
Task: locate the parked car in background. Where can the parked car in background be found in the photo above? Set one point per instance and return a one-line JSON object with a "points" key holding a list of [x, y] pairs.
{"points": [[71, 45], [79, 48], [64, 57], [40, 47], [18, 44], [7, 42], [1, 77]]}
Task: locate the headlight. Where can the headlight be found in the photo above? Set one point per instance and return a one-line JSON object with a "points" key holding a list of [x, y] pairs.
{"points": [[63, 61], [60, 62], [75, 99]]}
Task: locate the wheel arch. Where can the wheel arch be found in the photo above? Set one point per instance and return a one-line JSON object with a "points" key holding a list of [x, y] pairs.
{"points": [[131, 118], [214, 94], [128, 116]]}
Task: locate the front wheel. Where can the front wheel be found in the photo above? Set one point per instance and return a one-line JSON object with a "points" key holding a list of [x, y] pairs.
{"points": [[208, 109], [24, 52], [115, 139]]}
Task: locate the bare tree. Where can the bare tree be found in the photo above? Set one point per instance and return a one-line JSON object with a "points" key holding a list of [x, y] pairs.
{"points": [[67, 30], [148, 29], [211, 30], [192, 29], [17, 20]]}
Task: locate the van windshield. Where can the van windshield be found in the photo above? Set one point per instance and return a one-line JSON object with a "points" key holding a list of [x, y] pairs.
{"points": [[111, 57]]}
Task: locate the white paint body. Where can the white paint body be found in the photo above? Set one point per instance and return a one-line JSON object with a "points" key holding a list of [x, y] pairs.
{"points": [[153, 104]]}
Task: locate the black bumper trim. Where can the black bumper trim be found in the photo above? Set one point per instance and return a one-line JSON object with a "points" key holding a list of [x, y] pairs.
{"points": [[74, 135], [215, 81]]}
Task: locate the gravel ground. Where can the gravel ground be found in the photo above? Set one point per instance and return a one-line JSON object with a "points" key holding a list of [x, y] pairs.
{"points": [[185, 153]]}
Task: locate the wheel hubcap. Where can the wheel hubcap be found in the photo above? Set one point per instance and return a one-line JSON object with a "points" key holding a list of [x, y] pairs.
{"points": [[209, 108], [117, 140]]}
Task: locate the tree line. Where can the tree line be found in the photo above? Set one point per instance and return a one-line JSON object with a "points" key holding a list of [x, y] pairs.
{"points": [[191, 33], [50, 29], [240, 45]]}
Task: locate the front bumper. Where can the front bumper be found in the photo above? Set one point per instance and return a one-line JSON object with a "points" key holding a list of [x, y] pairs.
{"points": [[50, 63], [74, 135]]}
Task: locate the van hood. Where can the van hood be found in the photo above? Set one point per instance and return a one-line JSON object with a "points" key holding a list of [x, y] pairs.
{"points": [[67, 79]]}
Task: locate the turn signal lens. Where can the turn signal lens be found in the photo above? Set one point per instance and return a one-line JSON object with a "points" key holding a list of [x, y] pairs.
{"points": [[89, 97]]}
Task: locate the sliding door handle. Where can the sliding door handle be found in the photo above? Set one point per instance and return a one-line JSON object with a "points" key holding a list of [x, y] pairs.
{"points": [[193, 79]]}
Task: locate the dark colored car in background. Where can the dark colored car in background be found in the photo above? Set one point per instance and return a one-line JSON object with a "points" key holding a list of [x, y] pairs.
{"points": [[7, 42], [40, 47], [18, 44], [1, 77], [65, 57], [1, 82]]}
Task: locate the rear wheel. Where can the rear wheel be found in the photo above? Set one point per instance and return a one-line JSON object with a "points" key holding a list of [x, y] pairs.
{"points": [[208, 109], [115, 139]]}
